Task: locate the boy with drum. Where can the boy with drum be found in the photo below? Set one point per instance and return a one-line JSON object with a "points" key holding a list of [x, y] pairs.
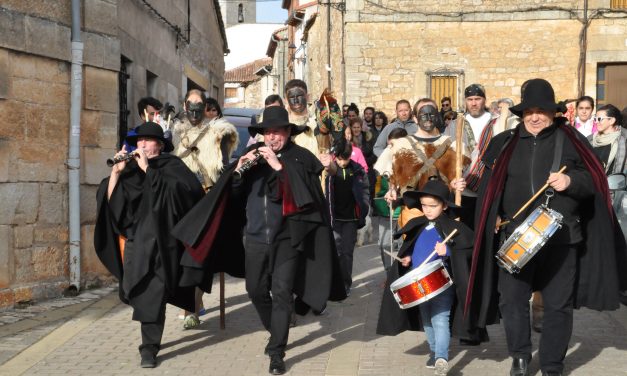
{"points": [[422, 236]]}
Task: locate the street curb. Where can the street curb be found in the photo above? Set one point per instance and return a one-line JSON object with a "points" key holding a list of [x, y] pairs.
{"points": [[84, 316]]}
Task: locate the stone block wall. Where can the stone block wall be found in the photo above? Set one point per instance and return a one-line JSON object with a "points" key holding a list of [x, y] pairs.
{"points": [[385, 65], [317, 55], [388, 46], [150, 45], [35, 50], [35, 62]]}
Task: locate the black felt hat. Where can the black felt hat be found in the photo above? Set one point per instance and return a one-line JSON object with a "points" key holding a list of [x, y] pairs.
{"points": [[435, 188], [152, 130], [275, 117], [536, 93]]}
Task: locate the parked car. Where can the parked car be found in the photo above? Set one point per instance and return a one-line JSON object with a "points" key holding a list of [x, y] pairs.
{"points": [[241, 119]]}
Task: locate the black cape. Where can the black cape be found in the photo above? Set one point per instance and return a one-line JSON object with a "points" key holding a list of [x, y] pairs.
{"points": [[212, 234], [143, 208], [602, 260], [318, 278], [394, 320]]}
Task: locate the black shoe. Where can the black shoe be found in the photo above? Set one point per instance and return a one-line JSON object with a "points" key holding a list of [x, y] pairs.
{"points": [[469, 342], [277, 365], [519, 367], [551, 373], [149, 359], [320, 313]]}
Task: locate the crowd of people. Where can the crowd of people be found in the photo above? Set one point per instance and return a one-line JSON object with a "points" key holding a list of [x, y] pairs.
{"points": [[286, 214]]}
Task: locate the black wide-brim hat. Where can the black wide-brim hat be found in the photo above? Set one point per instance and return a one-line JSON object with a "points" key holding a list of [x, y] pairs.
{"points": [[537, 93], [152, 130], [435, 188], [275, 117]]}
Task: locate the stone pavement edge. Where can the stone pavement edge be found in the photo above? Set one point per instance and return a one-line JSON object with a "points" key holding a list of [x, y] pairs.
{"points": [[96, 336]]}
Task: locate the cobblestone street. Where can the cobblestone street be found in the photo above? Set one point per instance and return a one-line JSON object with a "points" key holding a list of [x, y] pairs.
{"points": [[98, 337]]}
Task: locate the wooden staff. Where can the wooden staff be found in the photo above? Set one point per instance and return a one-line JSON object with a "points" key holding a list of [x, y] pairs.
{"points": [[222, 304], [393, 256], [434, 251], [391, 228], [459, 131], [531, 200]]}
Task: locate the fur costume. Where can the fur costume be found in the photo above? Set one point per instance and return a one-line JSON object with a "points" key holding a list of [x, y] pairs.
{"points": [[402, 161], [203, 156], [307, 139]]}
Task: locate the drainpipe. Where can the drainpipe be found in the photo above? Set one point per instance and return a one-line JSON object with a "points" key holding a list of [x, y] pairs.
{"points": [[329, 45], [74, 162], [583, 49]]}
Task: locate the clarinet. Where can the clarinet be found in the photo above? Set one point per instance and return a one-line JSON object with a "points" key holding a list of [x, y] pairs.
{"points": [[248, 164], [121, 158]]}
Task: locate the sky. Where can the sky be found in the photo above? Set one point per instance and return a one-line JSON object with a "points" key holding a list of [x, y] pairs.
{"points": [[270, 11]]}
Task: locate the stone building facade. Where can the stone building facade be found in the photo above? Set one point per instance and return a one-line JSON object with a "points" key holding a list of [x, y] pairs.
{"points": [[385, 50], [248, 85], [126, 46]]}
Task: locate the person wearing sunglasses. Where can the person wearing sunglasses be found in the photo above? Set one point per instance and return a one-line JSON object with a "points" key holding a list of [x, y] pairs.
{"points": [[609, 141]]}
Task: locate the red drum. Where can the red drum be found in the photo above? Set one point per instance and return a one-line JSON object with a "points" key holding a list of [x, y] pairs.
{"points": [[420, 285]]}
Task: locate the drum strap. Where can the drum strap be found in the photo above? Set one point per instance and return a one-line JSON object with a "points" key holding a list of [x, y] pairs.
{"points": [[557, 158], [559, 146]]}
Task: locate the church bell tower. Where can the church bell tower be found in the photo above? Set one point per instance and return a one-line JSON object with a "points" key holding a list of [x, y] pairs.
{"points": [[236, 12]]}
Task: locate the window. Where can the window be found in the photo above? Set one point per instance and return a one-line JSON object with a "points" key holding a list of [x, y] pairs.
{"points": [[123, 106], [192, 85], [215, 92], [611, 82], [618, 4], [230, 92], [445, 82], [151, 84], [240, 13]]}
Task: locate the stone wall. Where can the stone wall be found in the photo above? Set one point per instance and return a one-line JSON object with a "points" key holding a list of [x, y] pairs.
{"points": [[152, 46], [35, 72], [317, 54], [35, 61], [390, 45], [383, 67], [255, 94]]}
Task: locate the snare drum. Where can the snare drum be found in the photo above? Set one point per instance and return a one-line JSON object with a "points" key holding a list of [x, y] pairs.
{"points": [[420, 285], [528, 238]]}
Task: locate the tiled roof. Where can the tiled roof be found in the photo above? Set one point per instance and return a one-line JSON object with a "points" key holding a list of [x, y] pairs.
{"points": [[274, 39], [246, 73]]}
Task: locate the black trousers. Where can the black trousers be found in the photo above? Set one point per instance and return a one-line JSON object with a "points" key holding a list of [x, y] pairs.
{"points": [[272, 268], [345, 233], [152, 332], [551, 271]]}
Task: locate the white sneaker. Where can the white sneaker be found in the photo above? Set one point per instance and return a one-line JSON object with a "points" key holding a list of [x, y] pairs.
{"points": [[190, 322], [441, 367]]}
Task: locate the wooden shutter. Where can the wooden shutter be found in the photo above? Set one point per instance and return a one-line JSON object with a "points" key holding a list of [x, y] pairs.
{"points": [[444, 86]]}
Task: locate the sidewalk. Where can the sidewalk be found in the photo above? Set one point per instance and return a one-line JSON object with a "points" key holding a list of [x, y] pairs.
{"points": [[99, 338]]}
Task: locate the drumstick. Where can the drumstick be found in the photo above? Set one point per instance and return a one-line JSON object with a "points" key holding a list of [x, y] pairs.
{"points": [[531, 200], [146, 115], [434, 251], [169, 118], [392, 256]]}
